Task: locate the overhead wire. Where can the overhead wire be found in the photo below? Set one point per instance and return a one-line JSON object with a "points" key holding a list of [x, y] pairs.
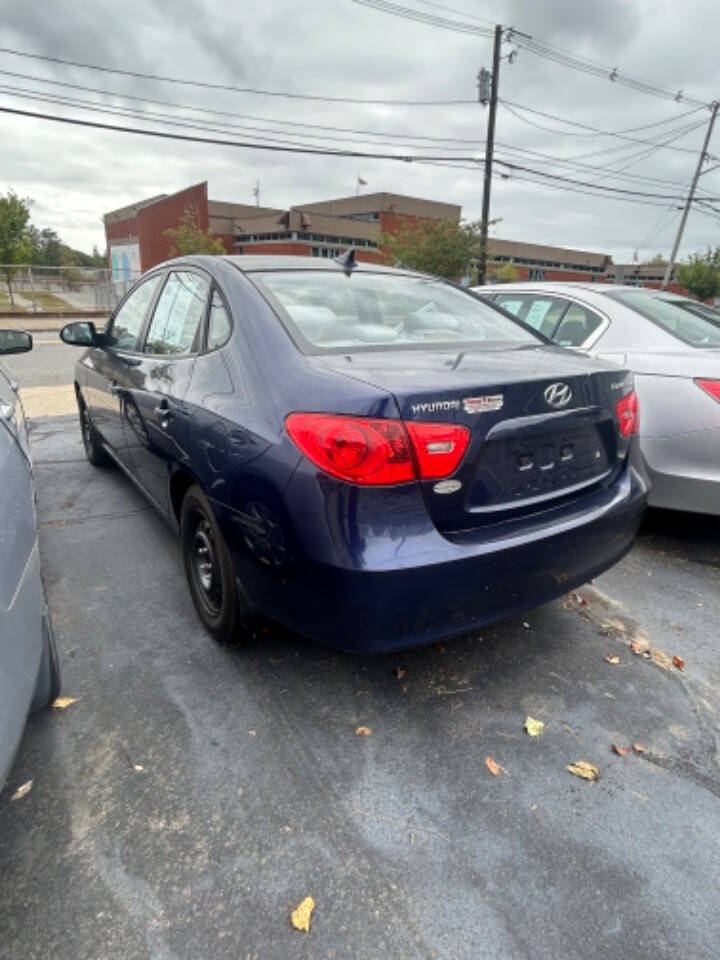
{"points": [[228, 87]]}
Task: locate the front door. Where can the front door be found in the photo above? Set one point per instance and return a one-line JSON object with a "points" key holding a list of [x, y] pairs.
{"points": [[156, 418], [110, 370]]}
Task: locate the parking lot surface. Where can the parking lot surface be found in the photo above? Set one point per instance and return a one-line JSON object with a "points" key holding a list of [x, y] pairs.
{"points": [[194, 794]]}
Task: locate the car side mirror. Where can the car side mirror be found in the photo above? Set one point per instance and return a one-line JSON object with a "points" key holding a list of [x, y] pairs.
{"points": [[15, 341], [81, 334]]}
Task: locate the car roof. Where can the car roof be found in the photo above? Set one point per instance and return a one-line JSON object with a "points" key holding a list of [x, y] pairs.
{"points": [[255, 263], [561, 286]]}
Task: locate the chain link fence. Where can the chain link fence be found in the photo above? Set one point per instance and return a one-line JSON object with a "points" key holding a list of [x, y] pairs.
{"points": [[59, 290]]}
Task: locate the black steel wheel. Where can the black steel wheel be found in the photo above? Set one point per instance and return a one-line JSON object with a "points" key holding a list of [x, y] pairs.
{"points": [[209, 568]]}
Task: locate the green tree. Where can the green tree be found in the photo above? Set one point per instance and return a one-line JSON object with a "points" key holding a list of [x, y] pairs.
{"points": [[701, 274], [441, 247], [189, 238], [657, 261], [507, 273], [15, 244]]}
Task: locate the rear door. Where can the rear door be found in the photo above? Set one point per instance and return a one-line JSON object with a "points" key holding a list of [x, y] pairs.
{"points": [[156, 418]]}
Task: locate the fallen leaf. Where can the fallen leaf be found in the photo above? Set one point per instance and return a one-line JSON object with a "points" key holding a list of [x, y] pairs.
{"points": [[581, 768], [678, 662], [614, 660], [638, 748], [363, 731], [399, 673], [62, 703], [494, 767], [22, 791], [637, 648], [534, 727], [620, 751], [300, 917]]}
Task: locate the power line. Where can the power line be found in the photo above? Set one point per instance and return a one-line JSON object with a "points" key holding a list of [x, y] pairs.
{"points": [[222, 127], [557, 54], [320, 151], [227, 113], [207, 85], [508, 104]]}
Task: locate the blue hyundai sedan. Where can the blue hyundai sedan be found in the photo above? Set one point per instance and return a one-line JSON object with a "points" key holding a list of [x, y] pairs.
{"points": [[372, 457]]}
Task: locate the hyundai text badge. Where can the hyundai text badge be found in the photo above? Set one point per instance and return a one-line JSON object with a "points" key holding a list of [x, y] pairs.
{"points": [[558, 394]]}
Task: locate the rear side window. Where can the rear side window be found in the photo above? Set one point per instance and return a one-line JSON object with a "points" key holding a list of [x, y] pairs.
{"points": [[542, 313], [178, 315], [577, 324], [219, 327], [128, 321], [328, 311]]}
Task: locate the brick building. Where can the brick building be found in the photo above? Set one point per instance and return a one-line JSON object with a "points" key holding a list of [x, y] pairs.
{"points": [[136, 237]]}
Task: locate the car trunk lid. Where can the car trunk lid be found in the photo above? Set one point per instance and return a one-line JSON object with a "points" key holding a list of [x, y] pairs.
{"points": [[542, 424]]}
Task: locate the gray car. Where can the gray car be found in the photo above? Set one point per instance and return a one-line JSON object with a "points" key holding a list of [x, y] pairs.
{"points": [[29, 671], [672, 344]]}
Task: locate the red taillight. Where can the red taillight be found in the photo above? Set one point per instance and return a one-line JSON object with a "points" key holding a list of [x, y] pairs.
{"points": [[628, 414], [710, 386], [378, 452]]}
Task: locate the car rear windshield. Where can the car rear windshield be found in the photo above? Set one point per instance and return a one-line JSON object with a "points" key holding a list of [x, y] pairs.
{"points": [[692, 328], [328, 312]]}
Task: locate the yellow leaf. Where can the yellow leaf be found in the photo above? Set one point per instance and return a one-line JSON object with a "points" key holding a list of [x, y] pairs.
{"points": [[534, 727], [62, 703], [494, 767], [363, 731], [300, 917], [581, 768], [614, 660], [22, 791]]}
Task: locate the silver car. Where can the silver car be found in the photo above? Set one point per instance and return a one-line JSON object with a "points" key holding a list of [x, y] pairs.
{"points": [[672, 344], [29, 671]]}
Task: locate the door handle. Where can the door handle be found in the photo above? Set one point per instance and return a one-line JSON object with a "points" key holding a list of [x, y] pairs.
{"points": [[115, 389], [163, 411]]}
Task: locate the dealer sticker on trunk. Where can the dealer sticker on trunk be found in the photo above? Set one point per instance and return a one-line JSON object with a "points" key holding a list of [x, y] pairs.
{"points": [[485, 404]]}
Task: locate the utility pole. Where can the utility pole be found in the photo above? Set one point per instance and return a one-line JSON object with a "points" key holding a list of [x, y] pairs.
{"points": [[691, 195], [489, 147]]}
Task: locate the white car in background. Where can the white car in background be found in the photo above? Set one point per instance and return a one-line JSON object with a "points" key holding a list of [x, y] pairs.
{"points": [[672, 344]]}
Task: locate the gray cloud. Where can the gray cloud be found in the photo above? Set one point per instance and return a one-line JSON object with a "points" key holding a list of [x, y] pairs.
{"points": [[336, 48]]}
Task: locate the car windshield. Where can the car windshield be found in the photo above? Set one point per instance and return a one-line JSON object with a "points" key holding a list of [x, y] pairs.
{"points": [[693, 328], [337, 312]]}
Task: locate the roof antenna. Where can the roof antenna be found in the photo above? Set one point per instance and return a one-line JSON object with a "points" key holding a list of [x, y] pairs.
{"points": [[346, 260]]}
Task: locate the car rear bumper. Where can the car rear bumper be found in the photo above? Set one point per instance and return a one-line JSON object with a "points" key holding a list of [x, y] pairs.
{"points": [[471, 583], [685, 471]]}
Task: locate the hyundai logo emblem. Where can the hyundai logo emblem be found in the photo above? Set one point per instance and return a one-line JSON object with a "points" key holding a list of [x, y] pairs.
{"points": [[558, 394]]}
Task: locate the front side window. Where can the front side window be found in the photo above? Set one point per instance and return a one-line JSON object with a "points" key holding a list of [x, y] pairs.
{"points": [[178, 315], [691, 328], [334, 312], [127, 324]]}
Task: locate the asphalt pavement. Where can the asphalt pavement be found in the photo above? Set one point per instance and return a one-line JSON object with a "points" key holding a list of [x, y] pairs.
{"points": [[194, 794]]}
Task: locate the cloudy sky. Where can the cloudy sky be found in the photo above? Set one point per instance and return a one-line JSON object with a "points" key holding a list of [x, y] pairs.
{"points": [[339, 48]]}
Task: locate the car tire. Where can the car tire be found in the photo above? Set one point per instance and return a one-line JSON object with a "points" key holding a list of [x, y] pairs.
{"points": [[95, 452], [210, 572], [47, 688]]}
